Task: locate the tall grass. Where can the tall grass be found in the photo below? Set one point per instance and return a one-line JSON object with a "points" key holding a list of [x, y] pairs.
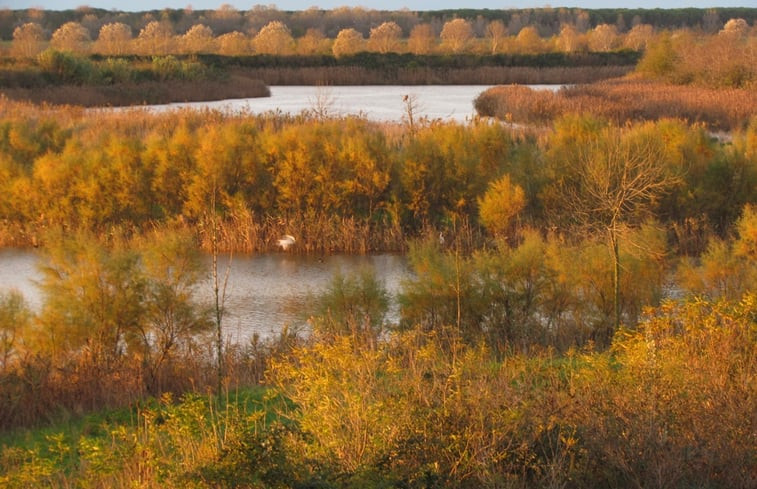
{"points": [[623, 100], [483, 75]]}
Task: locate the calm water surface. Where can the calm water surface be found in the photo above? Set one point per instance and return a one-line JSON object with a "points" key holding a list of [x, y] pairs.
{"points": [[375, 102], [264, 292]]}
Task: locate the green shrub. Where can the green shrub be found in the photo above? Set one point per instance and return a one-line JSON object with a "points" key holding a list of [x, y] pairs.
{"points": [[67, 67]]}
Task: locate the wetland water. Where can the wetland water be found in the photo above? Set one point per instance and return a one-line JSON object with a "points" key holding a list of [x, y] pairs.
{"points": [[381, 103], [264, 293]]}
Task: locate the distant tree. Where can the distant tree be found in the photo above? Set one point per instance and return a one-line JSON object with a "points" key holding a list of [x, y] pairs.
{"points": [[735, 29], [198, 39], [28, 40], [233, 44], [114, 39], [660, 59], [385, 38], [71, 36], [155, 38], [422, 39], [529, 41], [604, 37], [274, 38], [456, 35], [569, 40], [639, 37], [313, 42], [496, 32], [348, 41], [711, 22], [582, 22], [225, 19]]}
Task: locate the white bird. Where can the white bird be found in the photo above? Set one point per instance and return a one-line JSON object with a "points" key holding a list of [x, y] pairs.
{"points": [[441, 238], [286, 242]]}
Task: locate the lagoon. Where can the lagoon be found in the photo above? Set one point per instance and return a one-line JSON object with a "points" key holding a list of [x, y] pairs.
{"points": [[381, 103]]}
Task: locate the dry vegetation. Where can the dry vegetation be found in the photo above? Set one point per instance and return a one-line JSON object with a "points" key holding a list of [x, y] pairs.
{"points": [[488, 75], [623, 100]]}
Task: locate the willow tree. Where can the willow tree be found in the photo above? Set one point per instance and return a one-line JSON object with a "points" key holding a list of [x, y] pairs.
{"points": [[348, 41], [274, 38], [114, 39], [385, 38], [611, 179], [28, 40], [456, 35], [71, 36]]}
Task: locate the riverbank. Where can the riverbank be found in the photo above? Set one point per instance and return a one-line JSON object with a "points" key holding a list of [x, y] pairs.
{"points": [[142, 93]]}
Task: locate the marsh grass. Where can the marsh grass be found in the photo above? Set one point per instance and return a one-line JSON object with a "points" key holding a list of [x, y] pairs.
{"points": [[623, 100]]}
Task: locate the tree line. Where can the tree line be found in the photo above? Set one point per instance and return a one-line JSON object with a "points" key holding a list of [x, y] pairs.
{"points": [[226, 19], [268, 31]]}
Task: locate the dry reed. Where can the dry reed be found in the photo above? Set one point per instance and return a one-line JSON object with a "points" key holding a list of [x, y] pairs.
{"points": [[623, 100]]}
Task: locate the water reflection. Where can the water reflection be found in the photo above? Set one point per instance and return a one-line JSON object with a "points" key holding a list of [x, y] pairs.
{"points": [[264, 292]]}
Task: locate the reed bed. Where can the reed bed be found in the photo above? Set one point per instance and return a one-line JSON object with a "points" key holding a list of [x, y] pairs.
{"points": [[622, 100], [483, 75]]}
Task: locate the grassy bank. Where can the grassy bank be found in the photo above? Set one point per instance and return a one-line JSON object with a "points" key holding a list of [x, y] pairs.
{"points": [[140, 93], [62, 78]]}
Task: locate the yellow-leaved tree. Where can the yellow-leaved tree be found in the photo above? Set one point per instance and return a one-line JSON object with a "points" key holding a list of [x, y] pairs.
{"points": [[499, 206]]}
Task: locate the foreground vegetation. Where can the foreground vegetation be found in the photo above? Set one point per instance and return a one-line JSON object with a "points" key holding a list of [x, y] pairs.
{"points": [[669, 404]]}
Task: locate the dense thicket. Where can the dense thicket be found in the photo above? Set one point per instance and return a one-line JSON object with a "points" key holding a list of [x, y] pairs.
{"points": [[707, 79], [338, 184], [671, 404]]}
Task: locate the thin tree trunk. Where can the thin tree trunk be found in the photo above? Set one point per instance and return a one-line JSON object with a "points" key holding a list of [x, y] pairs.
{"points": [[615, 279]]}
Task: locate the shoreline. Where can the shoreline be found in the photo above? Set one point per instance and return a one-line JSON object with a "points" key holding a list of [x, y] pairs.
{"points": [[142, 93]]}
